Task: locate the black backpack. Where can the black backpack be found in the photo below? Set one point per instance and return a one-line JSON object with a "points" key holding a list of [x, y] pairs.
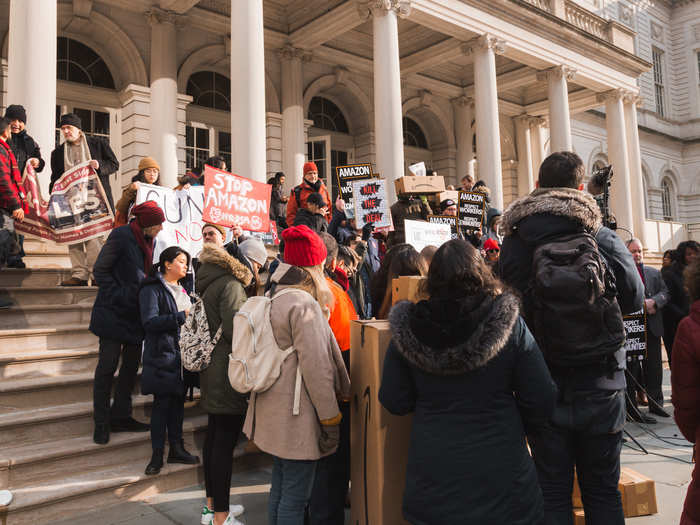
{"points": [[576, 319]]}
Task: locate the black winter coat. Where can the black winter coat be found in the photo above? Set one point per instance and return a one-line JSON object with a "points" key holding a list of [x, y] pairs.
{"points": [[678, 305], [25, 147], [100, 151], [162, 366], [315, 221], [474, 377], [119, 272]]}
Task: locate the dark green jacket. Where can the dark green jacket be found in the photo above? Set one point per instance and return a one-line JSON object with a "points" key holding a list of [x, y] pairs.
{"points": [[220, 281]]}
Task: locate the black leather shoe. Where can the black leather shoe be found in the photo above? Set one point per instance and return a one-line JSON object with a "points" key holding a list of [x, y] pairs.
{"points": [[129, 424], [178, 454], [155, 464], [641, 418], [657, 411], [101, 434]]}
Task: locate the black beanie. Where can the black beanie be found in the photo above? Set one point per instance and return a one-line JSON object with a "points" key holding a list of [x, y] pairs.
{"points": [[16, 112], [71, 119]]}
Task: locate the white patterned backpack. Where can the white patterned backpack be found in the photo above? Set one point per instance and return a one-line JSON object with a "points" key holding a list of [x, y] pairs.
{"points": [[196, 343]]}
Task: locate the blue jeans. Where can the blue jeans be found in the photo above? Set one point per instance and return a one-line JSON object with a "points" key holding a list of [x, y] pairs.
{"points": [[292, 482], [587, 433]]}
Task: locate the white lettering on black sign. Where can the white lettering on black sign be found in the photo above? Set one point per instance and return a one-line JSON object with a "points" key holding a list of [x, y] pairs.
{"points": [[471, 208], [636, 332], [344, 176]]}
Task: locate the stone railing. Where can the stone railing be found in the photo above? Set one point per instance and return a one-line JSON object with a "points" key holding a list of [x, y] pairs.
{"points": [[660, 236], [584, 19]]}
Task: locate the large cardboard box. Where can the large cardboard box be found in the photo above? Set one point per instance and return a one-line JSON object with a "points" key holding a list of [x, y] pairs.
{"points": [[638, 493], [412, 185], [579, 517], [378, 440], [576, 495], [408, 288]]}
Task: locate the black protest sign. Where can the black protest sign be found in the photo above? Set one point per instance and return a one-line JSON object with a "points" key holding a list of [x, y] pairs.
{"points": [[371, 203], [345, 175], [450, 220], [636, 332], [471, 209]]}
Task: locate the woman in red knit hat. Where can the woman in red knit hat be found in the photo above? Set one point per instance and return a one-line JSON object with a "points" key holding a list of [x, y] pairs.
{"points": [[310, 184], [297, 439]]}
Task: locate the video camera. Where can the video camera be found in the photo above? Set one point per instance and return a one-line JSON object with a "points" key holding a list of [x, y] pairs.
{"points": [[599, 187]]}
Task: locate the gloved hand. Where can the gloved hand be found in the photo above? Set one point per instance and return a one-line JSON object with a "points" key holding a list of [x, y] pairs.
{"points": [[329, 438], [367, 230]]}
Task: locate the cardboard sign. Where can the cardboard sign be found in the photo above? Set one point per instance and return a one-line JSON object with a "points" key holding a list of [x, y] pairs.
{"points": [[471, 210], [636, 335], [77, 210], [420, 234], [371, 203], [345, 175], [418, 169], [450, 220], [419, 185], [230, 199]]}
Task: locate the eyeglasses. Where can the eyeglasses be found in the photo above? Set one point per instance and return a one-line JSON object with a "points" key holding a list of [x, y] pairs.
{"points": [[492, 250]]}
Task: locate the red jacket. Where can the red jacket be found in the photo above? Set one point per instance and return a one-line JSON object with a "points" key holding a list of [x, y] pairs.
{"points": [[685, 385], [11, 193], [304, 191]]}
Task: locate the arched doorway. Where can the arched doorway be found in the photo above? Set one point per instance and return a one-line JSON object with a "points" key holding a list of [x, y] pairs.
{"points": [[415, 144]]}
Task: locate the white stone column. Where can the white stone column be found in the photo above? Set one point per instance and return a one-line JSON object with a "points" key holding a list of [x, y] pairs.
{"points": [[523, 143], [293, 143], [248, 148], [164, 94], [488, 136], [463, 115], [620, 189], [388, 117], [32, 71], [559, 117], [631, 101], [538, 139]]}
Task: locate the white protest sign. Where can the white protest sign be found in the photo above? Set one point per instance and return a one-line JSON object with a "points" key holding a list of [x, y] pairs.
{"points": [[418, 169], [420, 234], [371, 203]]}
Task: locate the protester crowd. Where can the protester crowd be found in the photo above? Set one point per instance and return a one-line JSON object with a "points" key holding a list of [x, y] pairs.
{"points": [[507, 346]]}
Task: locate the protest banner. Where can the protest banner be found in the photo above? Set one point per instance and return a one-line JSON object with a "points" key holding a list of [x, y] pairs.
{"points": [[268, 238], [371, 203], [420, 234], [471, 209], [345, 175], [450, 220], [230, 199], [636, 335], [78, 209]]}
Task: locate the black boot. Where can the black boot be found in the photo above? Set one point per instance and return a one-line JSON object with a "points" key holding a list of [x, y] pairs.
{"points": [[178, 454], [155, 464], [101, 434]]}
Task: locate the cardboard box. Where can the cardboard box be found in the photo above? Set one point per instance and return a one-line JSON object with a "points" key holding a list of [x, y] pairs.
{"points": [[379, 441], [576, 495], [407, 288], [638, 493], [412, 185], [579, 517], [448, 194]]}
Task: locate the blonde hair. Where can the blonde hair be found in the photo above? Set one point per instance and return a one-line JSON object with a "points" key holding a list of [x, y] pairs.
{"points": [[317, 286]]}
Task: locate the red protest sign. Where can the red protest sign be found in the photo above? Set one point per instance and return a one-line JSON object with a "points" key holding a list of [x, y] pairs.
{"points": [[230, 199]]}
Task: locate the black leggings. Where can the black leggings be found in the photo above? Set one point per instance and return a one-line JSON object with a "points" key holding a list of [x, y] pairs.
{"points": [[222, 435], [167, 414]]}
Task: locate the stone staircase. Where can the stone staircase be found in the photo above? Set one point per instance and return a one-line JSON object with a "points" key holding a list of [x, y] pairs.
{"points": [[47, 360]]}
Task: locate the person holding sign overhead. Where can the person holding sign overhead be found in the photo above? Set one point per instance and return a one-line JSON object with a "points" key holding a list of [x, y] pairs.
{"points": [[310, 184]]}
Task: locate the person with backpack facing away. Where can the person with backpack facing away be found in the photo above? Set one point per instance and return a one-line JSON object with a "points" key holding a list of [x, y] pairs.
{"points": [[220, 280], [581, 340], [164, 305], [309, 184], [298, 430]]}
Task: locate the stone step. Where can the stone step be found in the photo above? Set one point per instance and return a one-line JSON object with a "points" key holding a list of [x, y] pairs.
{"points": [[37, 464], [33, 276], [45, 295], [15, 341], [42, 364], [41, 392], [44, 315], [48, 424], [47, 260]]}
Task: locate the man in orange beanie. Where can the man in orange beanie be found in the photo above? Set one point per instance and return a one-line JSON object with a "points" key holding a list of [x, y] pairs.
{"points": [[310, 184]]}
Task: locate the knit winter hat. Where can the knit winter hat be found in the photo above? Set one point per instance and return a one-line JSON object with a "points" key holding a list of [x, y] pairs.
{"points": [[254, 250], [148, 214], [310, 166], [148, 162], [71, 119], [16, 112], [491, 244], [221, 229], [302, 247], [316, 199], [446, 204]]}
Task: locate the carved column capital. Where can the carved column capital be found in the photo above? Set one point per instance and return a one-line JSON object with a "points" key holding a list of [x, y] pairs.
{"points": [[559, 72], [289, 52], [613, 94], [156, 15], [630, 97], [463, 101], [536, 121], [485, 41], [368, 8]]}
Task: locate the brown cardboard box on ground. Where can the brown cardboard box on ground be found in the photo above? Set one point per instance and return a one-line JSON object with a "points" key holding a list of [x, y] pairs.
{"points": [[579, 517], [411, 185], [576, 495], [407, 288], [378, 440], [638, 493]]}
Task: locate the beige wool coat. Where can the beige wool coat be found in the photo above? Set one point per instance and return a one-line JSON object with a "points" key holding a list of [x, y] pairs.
{"points": [[297, 320]]}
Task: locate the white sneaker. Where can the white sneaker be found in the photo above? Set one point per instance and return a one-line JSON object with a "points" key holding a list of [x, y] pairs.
{"points": [[208, 514], [6, 499], [230, 520]]}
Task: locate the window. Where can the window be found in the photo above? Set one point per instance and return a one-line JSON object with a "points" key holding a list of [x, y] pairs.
{"points": [[657, 63], [225, 148], [95, 123], [698, 57], [413, 135], [76, 62], [326, 115], [666, 206], [210, 90], [196, 146]]}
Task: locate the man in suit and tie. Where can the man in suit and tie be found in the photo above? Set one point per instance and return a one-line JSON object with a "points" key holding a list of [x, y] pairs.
{"points": [[656, 296]]}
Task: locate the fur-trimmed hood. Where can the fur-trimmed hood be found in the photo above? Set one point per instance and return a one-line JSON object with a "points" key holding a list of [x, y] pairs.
{"points": [[447, 337], [215, 262], [563, 202]]}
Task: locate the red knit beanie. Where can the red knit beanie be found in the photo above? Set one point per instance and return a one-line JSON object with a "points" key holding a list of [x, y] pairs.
{"points": [[148, 214], [302, 247], [310, 166], [491, 244]]}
